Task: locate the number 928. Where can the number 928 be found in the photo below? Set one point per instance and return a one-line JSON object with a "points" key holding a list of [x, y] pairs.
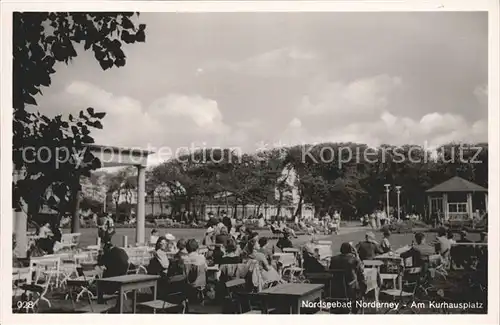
{"points": [[25, 304]]}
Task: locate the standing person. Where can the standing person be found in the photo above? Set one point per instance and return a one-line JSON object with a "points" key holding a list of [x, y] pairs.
{"points": [[378, 218], [154, 237], [336, 221], [373, 221], [106, 228], [226, 221]]}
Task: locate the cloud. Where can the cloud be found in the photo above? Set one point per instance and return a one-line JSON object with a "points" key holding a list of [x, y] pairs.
{"points": [[281, 62], [172, 121], [348, 99], [481, 94], [432, 130]]}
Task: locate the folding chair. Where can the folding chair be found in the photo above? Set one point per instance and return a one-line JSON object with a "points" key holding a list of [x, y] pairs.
{"points": [[87, 275], [251, 303], [411, 281]]}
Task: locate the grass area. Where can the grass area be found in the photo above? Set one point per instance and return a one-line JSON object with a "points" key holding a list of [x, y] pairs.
{"points": [[347, 234]]}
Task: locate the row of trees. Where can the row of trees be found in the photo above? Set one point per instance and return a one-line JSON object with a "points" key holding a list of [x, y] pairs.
{"points": [[345, 176]]}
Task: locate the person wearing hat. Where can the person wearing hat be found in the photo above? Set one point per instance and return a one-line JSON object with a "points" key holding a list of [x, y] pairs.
{"points": [[369, 248], [209, 239], [171, 245], [223, 237]]}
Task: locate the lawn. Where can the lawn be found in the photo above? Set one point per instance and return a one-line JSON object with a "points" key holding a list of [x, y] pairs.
{"points": [[354, 234]]}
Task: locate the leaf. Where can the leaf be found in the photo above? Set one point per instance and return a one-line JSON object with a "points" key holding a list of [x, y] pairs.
{"points": [[140, 36], [100, 115], [90, 110], [28, 99], [70, 118]]}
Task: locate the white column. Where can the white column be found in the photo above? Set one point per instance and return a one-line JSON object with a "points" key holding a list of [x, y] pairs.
{"points": [[20, 230], [445, 206], [470, 210], [140, 229], [429, 201], [486, 201]]}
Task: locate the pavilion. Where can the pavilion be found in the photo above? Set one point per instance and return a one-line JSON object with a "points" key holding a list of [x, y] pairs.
{"points": [[109, 157], [457, 198]]}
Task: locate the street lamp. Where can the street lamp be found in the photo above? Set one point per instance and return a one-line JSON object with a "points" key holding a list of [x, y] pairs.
{"points": [[398, 191], [387, 189]]}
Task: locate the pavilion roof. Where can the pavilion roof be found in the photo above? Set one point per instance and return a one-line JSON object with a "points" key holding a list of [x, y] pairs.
{"points": [[457, 184]]}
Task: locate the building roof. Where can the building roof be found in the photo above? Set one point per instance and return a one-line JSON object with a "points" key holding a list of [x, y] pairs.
{"points": [[457, 184]]}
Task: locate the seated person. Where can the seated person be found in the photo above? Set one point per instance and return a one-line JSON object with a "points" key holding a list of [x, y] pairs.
{"points": [[462, 255], [171, 244], [267, 272], [386, 244], [209, 239], [115, 261], [216, 254], [420, 252], [223, 236], [354, 279], [196, 267], [176, 266], [154, 237], [369, 248], [284, 242], [159, 263], [311, 262], [231, 256], [265, 248]]}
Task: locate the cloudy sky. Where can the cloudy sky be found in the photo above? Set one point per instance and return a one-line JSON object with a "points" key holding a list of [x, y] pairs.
{"points": [[253, 80]]}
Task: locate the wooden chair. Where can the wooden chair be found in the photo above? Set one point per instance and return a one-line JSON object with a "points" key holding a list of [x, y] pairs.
{"points": [[45, 271], [87, 275], [174, 302]]}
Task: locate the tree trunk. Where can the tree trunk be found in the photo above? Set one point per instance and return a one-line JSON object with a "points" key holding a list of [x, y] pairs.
{"points": [[75, 222], [299, 207]]}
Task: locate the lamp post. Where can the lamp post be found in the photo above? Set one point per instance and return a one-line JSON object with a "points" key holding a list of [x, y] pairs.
{"points": [[398, 191], [387, 189]]}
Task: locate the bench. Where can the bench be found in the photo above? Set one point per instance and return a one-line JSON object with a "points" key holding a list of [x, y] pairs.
{"points": [[162, 222]]}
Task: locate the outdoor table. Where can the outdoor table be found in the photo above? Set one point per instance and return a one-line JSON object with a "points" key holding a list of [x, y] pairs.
{"points": [[129, 282], [372, 278], [292, 294]]}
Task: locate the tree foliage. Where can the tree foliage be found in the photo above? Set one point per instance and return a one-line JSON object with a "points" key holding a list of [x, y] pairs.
{"points": [[49, 153], [353, 184]]}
